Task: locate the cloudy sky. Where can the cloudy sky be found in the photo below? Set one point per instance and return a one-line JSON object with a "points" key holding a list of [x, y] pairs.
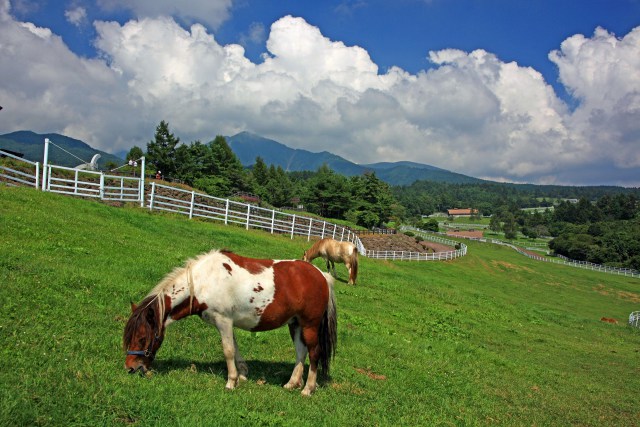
{"points": [[544, 91]]}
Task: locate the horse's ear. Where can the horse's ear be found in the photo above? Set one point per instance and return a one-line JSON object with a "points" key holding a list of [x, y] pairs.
{"points": [[133, 306]]}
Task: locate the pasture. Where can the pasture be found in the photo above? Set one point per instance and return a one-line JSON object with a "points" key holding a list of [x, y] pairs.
{"points": [[492, 338]]}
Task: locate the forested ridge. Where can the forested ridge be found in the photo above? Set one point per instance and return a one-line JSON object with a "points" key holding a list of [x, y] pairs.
{"points": [[596, 224]]}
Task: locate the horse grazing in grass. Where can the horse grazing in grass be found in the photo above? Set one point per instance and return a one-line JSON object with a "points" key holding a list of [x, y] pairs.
{"points": [[334, 251], [229, 291]]}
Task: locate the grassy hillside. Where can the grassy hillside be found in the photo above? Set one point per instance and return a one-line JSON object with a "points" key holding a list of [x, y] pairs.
{"points": [[492, 338]]}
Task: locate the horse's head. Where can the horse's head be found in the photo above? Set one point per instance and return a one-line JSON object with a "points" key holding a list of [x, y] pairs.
{"points": [[143, 334]]}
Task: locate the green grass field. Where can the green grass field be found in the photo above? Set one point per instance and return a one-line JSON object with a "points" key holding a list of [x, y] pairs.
{"points": [[492, 338]]}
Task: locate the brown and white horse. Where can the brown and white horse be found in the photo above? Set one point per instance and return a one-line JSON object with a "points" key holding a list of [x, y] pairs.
{"points": [[334, 251], [229, 291]]}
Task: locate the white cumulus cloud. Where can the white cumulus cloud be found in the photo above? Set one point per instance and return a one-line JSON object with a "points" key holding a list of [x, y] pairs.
{"points": [[76, 16], [471, 112]]}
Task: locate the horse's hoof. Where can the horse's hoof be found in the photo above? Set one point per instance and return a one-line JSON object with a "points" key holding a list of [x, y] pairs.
{"points": [[242, 378], [292, 386], [306, 392]]}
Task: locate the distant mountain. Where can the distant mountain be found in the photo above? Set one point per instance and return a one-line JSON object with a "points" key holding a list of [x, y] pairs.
{"points": [[248, 146], [31, 145]]}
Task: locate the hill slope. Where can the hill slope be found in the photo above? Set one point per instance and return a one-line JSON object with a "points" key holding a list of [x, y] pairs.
{"points": [[31, 145], [491, 338]]}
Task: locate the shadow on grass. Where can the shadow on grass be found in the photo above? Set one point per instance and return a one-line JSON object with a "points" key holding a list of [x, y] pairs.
{"points": [[270, 372]]}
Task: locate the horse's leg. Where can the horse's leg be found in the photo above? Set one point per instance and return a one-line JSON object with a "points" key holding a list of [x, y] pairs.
{"points": [[225, 326], [331, 270], [310, 336], [301, 354], [350, 269], [241, 365]]}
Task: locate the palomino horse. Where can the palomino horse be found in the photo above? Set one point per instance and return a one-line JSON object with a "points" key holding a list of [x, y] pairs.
{"points": [[334, 251], [229, 291]]}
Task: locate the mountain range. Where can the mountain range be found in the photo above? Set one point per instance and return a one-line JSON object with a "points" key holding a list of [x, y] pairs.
{"points": [[247, 147]]}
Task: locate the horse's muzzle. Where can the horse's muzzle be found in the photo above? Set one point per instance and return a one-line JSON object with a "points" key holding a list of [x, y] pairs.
{"points": [[141, 369]]}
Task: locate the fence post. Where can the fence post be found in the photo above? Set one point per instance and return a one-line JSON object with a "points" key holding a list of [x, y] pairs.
{"points": [[45, 163], [142, 182], [226, 213], [193, 198], [273, 219], [293, 225], [37, 174], [75, 182], [324, 224], [309, 233], [153, 193], [101, 189], [248, 215]]}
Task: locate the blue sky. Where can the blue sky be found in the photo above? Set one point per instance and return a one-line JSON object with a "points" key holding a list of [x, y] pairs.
{"points": [[549, 91]]}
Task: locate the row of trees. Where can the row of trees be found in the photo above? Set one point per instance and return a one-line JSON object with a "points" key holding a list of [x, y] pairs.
{"points": [[214, 168]]}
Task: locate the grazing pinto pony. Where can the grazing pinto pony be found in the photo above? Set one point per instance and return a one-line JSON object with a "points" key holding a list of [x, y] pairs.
{"points": [[229, 291], [334, 251]]}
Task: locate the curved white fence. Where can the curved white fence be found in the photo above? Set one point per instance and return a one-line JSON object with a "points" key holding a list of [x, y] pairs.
{"points": [[194, 204], [95, 184], [421, 256]]}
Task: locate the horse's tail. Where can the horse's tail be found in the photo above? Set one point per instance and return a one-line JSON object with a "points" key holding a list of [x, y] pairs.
{"points": [[328, 332], [354, 265]]}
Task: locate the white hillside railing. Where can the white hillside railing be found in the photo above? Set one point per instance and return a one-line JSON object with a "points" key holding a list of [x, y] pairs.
{"points": [[193, 204], [86, 183], [14, 177], [95, 184], [422, 256]]}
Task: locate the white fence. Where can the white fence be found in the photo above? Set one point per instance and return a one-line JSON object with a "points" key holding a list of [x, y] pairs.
{"points": [[572, 263], [171, 199], [94, 184], [85, 183], [15, 177], [422, 256]]}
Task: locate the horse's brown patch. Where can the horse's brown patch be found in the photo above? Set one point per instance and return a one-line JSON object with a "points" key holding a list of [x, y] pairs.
{"points": [[258, 288], [253, 266], [185, 309], [251, 300], [302, 279], [227, 267]]}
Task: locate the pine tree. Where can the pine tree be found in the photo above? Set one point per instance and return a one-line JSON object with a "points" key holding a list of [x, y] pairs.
{"points": [[161, 152]]}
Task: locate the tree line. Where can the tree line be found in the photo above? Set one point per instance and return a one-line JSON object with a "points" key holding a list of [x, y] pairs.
{"points": [[214, 168]]}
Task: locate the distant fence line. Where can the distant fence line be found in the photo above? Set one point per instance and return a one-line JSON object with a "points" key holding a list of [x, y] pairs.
{"points": [[573, 263], [160, 197], [566, 261]]}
